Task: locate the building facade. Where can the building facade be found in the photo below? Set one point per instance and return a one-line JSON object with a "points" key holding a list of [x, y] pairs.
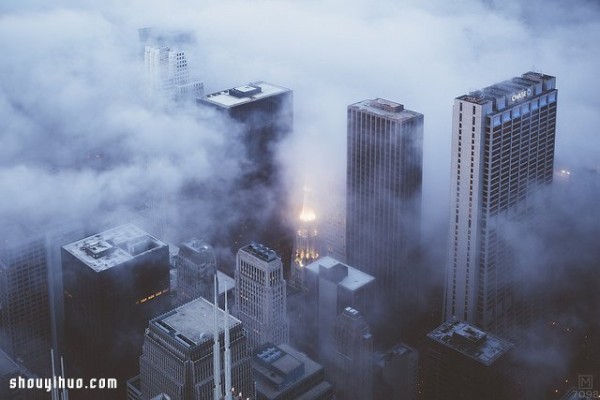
{"points": [[351, 368], [396, 373], [260, 295], [114, 282], [502, 159], [167, 75], [196, 268], [177, 358], [384, 175], [260, 115]]}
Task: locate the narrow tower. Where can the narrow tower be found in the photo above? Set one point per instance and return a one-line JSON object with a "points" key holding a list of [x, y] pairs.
{"points": [[306, 248], [216, 346]]}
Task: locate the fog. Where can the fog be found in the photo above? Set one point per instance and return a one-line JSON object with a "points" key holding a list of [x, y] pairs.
{"points": [[78, 138]]}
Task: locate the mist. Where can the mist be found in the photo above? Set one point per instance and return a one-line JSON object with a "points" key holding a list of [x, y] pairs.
{"points": [[79, 140]]}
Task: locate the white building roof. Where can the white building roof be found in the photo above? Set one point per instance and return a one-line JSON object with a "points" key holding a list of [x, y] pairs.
{"points": [[244, 94], [353, 280]]}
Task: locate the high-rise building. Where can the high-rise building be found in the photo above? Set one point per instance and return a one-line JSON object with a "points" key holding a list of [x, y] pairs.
{"points": [[396, 373], [384, 174], [196, 268], [13, 377], [260, 295], [502, 158], [168, 76], [25, 315], [283, 373], [306, 245], [262, 116], [178, 360], [463, 362], [114, 282], [351, 368], [331, 287]]}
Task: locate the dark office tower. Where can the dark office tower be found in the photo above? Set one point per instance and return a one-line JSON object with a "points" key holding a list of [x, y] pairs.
{"points": [[114, 282], [351, 369], [395, 373], [177, 359], [502, 158], [262, 115], [25, 324], [283, 373], [463, 362], [260, 295], [196, 268], [384, 174]]}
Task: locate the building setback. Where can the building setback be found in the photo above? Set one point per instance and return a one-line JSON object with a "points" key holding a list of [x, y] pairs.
{"points": [[260, 295], [384, 175], [114, 282], [502, 157]]}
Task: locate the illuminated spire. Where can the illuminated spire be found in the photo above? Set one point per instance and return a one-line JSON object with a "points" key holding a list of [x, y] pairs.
{"points": [[305, 246], [216, 347]]}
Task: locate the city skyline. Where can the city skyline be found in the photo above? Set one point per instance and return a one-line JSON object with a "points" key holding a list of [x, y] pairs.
{"points": [[80, 141]]}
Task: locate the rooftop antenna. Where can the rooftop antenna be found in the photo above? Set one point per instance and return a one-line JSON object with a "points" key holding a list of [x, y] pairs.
{"points": [[54, 393], [65, 394], [216, 346], [227, 355]]}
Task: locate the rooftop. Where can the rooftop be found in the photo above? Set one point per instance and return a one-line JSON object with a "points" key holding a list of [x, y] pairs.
{"points": [[279, 367], [7, 365], [113, 247], [386, 108], [515, 90], [244, 94], [470, 341], [351, 278], [260, 251], [192, 323]]}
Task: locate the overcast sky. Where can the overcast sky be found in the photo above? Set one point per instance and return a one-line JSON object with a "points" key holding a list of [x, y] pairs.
{"points": [[72, 86]]}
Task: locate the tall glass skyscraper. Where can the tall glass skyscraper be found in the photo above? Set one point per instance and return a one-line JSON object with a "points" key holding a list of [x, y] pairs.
{"points": [[384, 175], [502, 156]]}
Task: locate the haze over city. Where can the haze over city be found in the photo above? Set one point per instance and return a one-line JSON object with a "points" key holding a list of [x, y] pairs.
{"points": [[82, 143]]}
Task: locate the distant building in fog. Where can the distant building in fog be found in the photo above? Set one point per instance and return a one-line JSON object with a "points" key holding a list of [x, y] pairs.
{"points": [[196, 267], [461, 361], [177, 357], [114, 282], [351, 368], [396, 373], [167, 75], [260, 295], [306, 245], [283, 373], [502, 158], [383, 204]]}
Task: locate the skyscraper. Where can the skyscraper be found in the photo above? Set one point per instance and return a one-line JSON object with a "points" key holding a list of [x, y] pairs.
{"points": [[114, 282], [351, 368], [396, 373], [384, 174], [502, 158], [463, 362], [261, 115], [196, 269], [331, 287], [168, 76], [260, 295], [178, 360], [25, 323]]}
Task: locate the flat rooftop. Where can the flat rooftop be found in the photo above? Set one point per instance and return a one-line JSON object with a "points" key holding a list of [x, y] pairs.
{"points": [[353, 280], [470, 341], [113, 247], [192, 323], [276, 364], [244, 94], [260, 251], [386, 108], [515, 90]]}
